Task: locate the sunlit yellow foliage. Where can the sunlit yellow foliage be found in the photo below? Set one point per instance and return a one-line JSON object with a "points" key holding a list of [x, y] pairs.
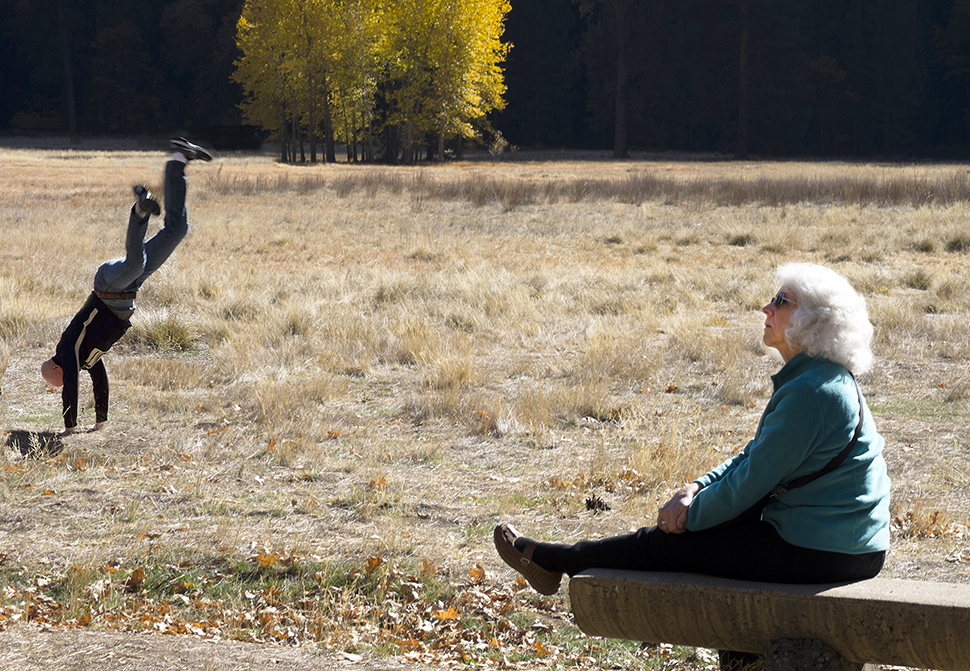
{"points": [[314, 64], [260, 71], [447, 57]]}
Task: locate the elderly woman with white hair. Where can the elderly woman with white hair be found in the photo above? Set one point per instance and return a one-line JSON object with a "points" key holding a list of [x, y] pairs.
{"points": [[806, 501]]}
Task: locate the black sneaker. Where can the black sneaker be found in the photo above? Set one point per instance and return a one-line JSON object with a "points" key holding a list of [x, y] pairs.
{"points": [[189, 150], [146, 204]]}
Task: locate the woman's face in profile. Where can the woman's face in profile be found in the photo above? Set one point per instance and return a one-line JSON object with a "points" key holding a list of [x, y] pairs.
{"points": [[778, 318]]}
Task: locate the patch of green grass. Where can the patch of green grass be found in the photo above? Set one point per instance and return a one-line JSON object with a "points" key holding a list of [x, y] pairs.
{"points": [[521, 501], [612, 653]]}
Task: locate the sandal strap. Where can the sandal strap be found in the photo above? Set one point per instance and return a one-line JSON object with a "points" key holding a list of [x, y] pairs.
{"points": [[529, 550], [542, 580]]}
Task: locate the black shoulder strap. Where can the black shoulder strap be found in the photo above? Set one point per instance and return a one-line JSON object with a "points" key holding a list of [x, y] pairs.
{"points": [[836, 460]]}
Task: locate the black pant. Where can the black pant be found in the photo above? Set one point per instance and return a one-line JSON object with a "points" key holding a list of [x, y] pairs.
{"points": [[750, 550]]}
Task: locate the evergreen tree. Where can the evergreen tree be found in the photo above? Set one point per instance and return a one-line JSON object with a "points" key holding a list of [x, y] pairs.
{"points": [[546, 87], [198, 40], [953, 55]]}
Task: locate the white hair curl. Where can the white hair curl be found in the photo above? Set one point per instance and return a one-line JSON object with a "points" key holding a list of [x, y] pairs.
{"points": [[830, 320]]}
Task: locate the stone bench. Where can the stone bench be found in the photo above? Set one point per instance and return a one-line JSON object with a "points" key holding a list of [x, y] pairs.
{"points": [[880, 621]]}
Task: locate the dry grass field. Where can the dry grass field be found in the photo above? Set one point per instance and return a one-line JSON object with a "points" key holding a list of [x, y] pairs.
{"points": [[347, 375]]}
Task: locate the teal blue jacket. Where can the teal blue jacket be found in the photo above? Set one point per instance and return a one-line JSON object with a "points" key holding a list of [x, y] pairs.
{"points": [[809, 419]]}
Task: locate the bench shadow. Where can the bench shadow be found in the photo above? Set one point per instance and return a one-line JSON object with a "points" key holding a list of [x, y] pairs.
{"points": [[35, 443]]}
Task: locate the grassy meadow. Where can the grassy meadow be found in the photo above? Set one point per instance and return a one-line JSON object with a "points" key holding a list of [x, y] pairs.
{"points": [[345, 376]]}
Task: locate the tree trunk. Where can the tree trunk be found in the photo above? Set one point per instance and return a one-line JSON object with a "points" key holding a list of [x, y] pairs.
{"points": [[298, 139], [313, 130], [368, 147], [441, 141], [622, 83], [741, 150], [284, 153], [408, 158], [328, 125], [392, 142], [355, 138]]}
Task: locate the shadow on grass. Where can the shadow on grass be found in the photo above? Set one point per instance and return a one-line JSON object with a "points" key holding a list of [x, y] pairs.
{"points": [[35, 444]]}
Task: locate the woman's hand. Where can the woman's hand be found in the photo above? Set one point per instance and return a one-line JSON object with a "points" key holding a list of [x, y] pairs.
{"points": [[672, 516]]}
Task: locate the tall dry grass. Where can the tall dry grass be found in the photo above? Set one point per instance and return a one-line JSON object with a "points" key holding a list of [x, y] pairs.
{"points": [[4, 360], [887, 186], [346, 361]]}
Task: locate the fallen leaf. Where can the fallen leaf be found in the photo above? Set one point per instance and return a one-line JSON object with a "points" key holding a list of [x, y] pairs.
{"points": [[136, 579], [267, 558], [448, 614], [373, 563]]}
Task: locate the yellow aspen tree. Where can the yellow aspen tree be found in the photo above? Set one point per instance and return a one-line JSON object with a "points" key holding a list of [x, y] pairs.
{"points": [[446, 66], [468, 77], [361, 55], [312, 33], [292, 51], [260, 70], [409, 81], [310, 29], [306, 62]]}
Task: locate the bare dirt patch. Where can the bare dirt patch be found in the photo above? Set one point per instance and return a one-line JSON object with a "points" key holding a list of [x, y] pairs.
{"points": [[27, 647]]}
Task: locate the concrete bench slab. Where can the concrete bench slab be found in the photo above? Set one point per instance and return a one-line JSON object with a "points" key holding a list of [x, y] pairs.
{"points": [[898, 622]]}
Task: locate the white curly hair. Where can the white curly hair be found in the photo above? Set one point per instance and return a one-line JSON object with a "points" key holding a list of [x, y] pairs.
{"points": [[830, 320]]}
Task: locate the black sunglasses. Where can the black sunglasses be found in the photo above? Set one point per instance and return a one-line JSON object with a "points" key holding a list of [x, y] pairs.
{"points": [[781, 300]]}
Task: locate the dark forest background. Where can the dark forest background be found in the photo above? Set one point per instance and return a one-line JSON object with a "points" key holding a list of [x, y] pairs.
{"points": [[822, 78]]}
